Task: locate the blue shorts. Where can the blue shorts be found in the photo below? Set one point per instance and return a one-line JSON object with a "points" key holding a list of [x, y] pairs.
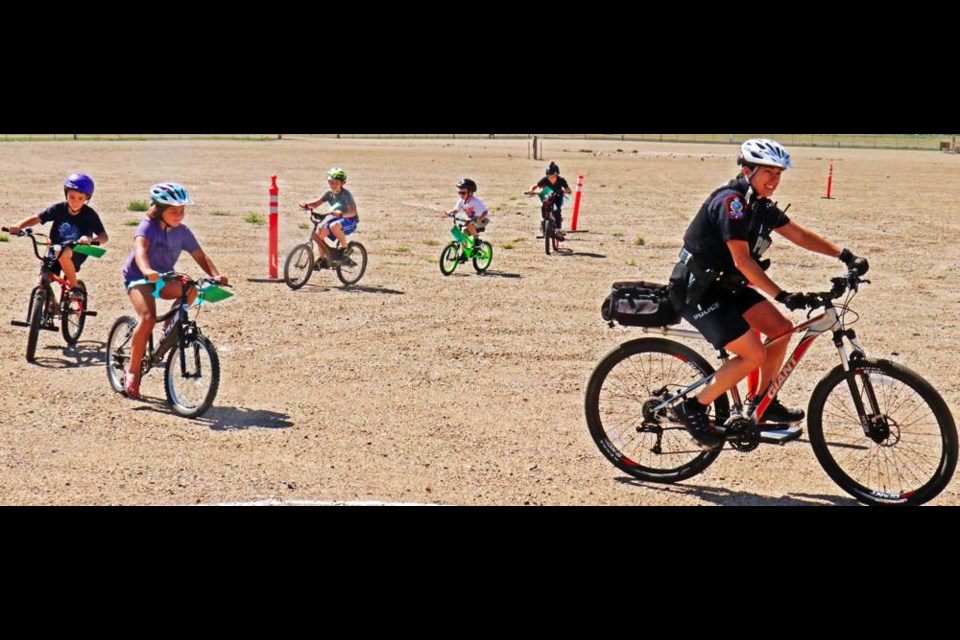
{"points": [[157, 286], [349, 225]]}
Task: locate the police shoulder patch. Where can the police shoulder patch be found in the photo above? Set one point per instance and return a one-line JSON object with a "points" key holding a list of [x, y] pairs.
{"points": [[734, 206]]}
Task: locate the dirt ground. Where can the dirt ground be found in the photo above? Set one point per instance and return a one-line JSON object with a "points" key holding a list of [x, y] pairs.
{"points": [[418, 388]]}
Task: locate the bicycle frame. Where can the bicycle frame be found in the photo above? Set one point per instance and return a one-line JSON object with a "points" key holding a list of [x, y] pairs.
{"points": [[180, 330], [461, 238], [318, 219], [814, 327], [48, 262]]}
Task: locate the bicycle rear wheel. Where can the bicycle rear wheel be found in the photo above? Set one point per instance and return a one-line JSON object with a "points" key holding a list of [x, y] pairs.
{"points": [[72, 316], [192, 377], [909, 452], [352, 268], [483, 256], [299, 266], [118, 351], [621, 394]]}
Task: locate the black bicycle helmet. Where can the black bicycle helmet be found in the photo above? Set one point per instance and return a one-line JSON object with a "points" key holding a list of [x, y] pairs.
{"points": [[468, 184]]}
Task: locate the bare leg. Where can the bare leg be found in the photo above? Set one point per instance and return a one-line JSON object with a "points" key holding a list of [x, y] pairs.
{"points": [[143, 303], [473, 232], [66, 264], [173, 291], [340, 235], [321, 245], [767, 319], [750, 355]]}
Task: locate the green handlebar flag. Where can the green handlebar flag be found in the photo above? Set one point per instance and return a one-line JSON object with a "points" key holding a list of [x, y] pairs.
{"points": [[213, 293], [89, 250]]}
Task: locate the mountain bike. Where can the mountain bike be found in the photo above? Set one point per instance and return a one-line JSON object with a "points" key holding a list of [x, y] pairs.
{"points": [[43, 306], [192, 368], [464, 248], [878, 429], [350, 265]]}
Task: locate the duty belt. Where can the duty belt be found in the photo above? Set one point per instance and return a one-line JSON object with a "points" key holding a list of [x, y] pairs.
{"points": [[709, 274]]}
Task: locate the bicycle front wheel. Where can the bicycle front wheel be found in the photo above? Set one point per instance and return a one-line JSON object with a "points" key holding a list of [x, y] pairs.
{"points": [[352, 267], [192, 377], [903, 451], [483, 256], [547, 235], [118, 351], [38, 309], [449, 258], [72, 316], [299, 266], [624, 388]]}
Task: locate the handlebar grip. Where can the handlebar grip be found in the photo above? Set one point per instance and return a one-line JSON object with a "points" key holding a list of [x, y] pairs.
{"points": [[859, 266]]}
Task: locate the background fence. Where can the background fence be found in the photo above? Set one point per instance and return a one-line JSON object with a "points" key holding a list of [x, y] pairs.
{"points": [[869, 141]]}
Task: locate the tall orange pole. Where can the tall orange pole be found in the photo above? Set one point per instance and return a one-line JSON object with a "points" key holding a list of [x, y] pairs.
{"points": [[576, 204], [272, 249], [829, 184]]}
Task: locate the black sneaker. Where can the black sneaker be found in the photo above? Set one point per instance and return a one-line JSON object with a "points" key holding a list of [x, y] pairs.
{"points": [[694, 418], [780, 414]]}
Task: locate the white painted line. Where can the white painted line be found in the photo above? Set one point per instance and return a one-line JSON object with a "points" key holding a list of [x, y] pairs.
{"points": [[321, 503]]}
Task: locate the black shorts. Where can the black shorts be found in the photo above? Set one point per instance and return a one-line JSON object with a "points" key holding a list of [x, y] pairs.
{"points": [[77, 258], [719, 315]]}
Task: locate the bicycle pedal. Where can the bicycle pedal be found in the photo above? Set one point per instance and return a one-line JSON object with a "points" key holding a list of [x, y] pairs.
{"points": [[781, 434], [89, 313], [19, 323]]}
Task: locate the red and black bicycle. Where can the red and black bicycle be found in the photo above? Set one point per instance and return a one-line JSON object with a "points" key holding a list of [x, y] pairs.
{"points": [[43, 306]]}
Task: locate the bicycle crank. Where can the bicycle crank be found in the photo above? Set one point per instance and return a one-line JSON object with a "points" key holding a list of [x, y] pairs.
{"points": [[742, 434]]}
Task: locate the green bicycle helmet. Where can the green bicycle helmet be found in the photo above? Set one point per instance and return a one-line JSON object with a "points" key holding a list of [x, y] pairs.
{"points": [[336, 173]]}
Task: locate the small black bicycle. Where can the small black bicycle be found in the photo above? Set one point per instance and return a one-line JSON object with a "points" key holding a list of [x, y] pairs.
{"points": [[192, 368]]}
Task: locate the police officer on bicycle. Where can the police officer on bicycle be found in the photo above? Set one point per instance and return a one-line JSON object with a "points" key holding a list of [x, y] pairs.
{"points": [[721, 257]]}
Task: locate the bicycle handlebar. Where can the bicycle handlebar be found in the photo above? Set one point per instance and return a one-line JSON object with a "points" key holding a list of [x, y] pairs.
{"points": [[316, 217], [185, 279], [169, 276], [851, 281], [37, 242]]}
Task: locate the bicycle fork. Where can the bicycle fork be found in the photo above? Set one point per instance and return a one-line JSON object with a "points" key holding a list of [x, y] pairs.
{"points": [[870, 416]]}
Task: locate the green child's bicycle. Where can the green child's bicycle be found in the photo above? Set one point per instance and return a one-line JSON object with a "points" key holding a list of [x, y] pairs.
{"points": [[464, 248]]}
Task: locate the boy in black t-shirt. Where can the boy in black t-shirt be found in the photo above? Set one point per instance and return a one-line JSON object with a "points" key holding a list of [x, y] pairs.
{"points": [[555, 182], [73, 220]]}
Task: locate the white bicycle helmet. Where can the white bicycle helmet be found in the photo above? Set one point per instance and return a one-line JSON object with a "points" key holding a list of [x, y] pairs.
{"points": [[766, 152], [169, 193]]}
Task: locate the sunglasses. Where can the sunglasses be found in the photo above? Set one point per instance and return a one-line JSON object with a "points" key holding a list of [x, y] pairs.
{"points": [[463, 192]]}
